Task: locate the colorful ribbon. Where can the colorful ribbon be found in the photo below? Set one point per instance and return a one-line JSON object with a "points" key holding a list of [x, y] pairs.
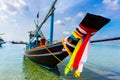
{"points": [[80, 52]]}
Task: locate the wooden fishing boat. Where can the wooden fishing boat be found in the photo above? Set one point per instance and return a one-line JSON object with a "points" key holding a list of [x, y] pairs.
{"points": [[41, 50], [49, 54]]}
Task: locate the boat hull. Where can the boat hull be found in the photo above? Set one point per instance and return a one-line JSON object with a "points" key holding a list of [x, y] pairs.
{"points": [[48, 60], [45, 58]]}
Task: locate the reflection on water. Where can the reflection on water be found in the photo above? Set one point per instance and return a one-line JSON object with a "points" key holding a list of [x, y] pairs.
{"points": [[33, 71]]}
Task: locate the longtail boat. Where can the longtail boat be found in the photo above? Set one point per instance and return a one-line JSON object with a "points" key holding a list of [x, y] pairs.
{"points": [[36, 49], [49, 54]]}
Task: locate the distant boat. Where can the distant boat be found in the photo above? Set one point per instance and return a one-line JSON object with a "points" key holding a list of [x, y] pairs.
{"points": [[46, 52], [1, 41], [20, 42]]}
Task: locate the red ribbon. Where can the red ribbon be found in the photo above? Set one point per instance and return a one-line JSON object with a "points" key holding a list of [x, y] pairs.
{"points": [[87, 29], [83, 45]]}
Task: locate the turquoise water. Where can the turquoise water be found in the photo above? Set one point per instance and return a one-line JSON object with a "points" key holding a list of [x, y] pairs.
{"points": [[11, 62], [102, 64], [104, 61]]}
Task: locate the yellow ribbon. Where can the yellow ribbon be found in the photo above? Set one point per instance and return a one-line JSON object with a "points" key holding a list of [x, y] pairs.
{"points": [[70, 63]]}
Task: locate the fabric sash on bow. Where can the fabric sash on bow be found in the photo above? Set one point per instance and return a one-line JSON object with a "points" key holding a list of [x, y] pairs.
{"points": [[83, 46], [77, 45], [80, 52]]}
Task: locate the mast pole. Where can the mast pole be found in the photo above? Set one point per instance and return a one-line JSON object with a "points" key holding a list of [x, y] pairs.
{"points": [[51, 27], [46, 17]]}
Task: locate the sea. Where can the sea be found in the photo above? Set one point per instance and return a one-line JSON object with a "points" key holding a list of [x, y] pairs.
{"points": [[103, 63]]}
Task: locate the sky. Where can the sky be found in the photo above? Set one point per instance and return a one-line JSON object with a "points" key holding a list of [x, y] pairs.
{"points": [[17, 17]]}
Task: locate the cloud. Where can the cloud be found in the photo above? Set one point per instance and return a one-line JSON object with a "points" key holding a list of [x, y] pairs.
{"points": [[105, 36], [80, 15], [66, 33], [59, 22], [65, 4], [3, 18], [111, 4], [12, 6], [68, 18], [73, 19]]}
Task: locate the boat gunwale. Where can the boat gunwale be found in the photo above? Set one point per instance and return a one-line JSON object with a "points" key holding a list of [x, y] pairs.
{"points": [[43, 47], [47, 54]]}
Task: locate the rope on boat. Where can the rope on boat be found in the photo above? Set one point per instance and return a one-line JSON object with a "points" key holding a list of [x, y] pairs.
{"points": [[69, 52], [62, 63]]}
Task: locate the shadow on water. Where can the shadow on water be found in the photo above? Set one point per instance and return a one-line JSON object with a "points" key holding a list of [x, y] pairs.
{"points": [[33, 71], [100, 73], [87, 74], [91, 75], [103, 68]]}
